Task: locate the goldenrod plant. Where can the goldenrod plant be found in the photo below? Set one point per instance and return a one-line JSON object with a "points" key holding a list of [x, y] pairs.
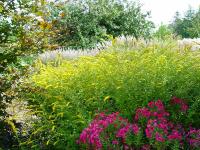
{"points": [[67, 95]]}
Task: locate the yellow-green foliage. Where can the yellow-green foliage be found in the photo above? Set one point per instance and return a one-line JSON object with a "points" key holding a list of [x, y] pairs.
{"points": [[70, 93]]}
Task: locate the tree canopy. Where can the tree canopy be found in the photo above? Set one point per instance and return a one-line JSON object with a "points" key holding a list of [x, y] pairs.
{"points": [[187, 26]]}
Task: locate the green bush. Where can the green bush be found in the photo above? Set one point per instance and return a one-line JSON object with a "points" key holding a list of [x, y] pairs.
{"points": [[67, 94]]}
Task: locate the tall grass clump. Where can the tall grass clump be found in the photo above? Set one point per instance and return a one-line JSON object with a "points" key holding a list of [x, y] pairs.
{"points": [[66, 96], [67, 53]]}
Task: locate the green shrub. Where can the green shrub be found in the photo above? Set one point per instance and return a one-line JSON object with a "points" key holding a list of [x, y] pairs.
{"points": [[67, 94]]}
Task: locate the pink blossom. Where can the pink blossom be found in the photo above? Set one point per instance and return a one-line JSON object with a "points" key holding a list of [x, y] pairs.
{"points": [[184, 107], [157, 127], [148, 133], [159, 137], [126, 147], [159, 105], [163, 125], [115, 142], [160, 124], [180, 102], [135, 128], [146, 147], [142, 112], [193, 137], [175, 135], [122, 132], [83, 136], [91, 134], [151, 104]]}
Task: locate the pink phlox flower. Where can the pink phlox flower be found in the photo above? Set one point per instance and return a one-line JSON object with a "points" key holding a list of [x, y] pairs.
{"points": [[180, 102], [135, 128], [151, 104], [100, 115], [146, 147], [126, 147], [159, 137], [98, 144], [122, 132], [184, 107], [142, 112], [91, 134], [175, 135], [148, 132], [150, 128], [157, 109], [115, 142], [193, 137], [163, 126], [157, 124], [103, 123], [159, 105], [83, 137]]}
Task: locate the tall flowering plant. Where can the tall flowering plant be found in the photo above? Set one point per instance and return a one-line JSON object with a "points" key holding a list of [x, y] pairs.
{"points": [[151, 128]]}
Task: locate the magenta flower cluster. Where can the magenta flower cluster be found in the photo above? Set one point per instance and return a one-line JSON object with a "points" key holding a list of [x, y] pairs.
{"points": [[158, 127], [151, 122], [93, 133], [182, 105], [193, 137]]}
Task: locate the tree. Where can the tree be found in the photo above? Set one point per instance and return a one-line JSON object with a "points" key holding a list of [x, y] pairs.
{"points": [[23, 28], [163, 32], [188, 26], [195, 28], [82, 24]]}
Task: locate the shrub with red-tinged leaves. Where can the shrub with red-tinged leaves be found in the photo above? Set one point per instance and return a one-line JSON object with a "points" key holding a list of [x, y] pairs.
{"points": [[151, 128]]}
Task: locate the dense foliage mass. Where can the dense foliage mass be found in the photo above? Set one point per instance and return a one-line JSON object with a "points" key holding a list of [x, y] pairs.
{"points": [[19, 27], [84, 23], [27, 28], [187, 26], [68, 94]]}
